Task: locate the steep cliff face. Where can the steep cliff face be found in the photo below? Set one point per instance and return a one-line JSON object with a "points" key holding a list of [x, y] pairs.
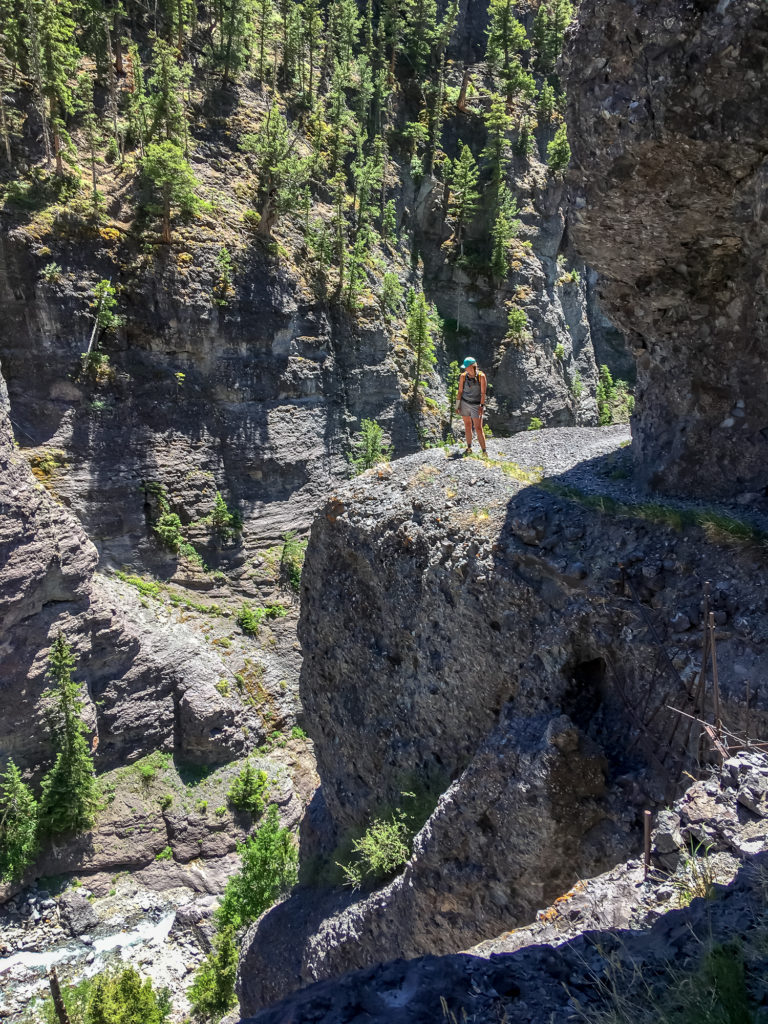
{"points": [[150, 686], [595, 947], [670, 154], [465, 629]]}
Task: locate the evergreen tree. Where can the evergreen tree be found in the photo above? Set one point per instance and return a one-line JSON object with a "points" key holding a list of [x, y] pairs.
{"points": [[498, 124], [559, 151], [505, 228], [138, 104], [212, 992], [123, 998], [421, 341], [234, 37], [395, 14], [268, 869], [464, 194], [346, 23], [70, 795], [264, 33], [54, 59], [507, 39], [368, 449], [420, 33], [179, 17], [313, 34], [167, 117], [167, 173], [549, 25], [280, 171], [545, 107], [389, 222], [18, 824], [525, 142]]}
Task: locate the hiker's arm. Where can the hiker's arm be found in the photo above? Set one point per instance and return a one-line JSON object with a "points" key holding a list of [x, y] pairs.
{"points": [[483, 384], [460, 392]]}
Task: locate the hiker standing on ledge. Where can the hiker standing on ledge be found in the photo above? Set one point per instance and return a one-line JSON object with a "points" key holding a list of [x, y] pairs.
{"points": [[470, 401]]}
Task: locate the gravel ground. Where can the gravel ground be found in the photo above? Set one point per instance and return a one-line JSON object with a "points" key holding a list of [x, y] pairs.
{"points": [[598, 461], [561, 448]]}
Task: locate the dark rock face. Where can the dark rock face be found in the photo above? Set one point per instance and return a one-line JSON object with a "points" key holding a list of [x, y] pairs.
{"points": [[670, 151], [599, 930], [460, 626]]}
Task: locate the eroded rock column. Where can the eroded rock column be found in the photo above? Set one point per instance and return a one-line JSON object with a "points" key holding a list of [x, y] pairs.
{"points": [[669, 135]]}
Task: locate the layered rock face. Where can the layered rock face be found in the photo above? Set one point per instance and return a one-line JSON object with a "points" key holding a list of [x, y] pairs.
{"points": [[670, 153], [464, 630], [148, 688]]}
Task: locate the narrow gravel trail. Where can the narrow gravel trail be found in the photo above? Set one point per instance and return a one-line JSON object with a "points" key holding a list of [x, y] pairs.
{"points": [[597, 461]]}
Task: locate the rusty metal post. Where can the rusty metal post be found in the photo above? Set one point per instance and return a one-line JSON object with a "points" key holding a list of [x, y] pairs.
{"points": [[715, 680], [58, 999], [746, 715], [647, 843]]}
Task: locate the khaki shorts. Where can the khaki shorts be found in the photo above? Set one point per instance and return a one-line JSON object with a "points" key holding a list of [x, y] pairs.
{"points": [[465, 409]]}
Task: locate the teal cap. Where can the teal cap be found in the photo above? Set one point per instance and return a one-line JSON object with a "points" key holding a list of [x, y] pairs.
{"points": [[468, 362]]}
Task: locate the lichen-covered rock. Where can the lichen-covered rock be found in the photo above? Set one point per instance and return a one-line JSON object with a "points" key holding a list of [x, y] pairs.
{"points": [[670, 153]]}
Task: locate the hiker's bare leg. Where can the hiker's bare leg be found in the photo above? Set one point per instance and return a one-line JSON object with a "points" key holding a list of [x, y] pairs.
{"points": [[468, 430], [478, 425]]}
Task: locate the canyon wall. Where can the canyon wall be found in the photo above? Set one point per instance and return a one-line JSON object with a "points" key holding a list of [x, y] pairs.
{"points": [[670, 164]]}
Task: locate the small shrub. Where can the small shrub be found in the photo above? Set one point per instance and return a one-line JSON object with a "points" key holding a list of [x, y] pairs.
{"points": [[368, 449], [147, 774], [165, 854], [223, 687], [220, 811], [249, 619], [166, 801], [535, 424], [517, 321], [385, 846], [297, 733], [248, 791], [51, 273], [202, 806], [292, 559], [560, 351]]}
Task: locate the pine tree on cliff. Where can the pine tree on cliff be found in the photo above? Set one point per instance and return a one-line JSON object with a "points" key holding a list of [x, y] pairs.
{"points": [[559, 151], [54, 56], [464, 194], [70, 794], [18, 824], [421, 341], [169, 177], [506, 41], [281, 171]]}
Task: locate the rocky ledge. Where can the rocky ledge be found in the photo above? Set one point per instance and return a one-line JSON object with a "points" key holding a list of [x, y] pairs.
{"points": [[477, 633], [605, 946]]}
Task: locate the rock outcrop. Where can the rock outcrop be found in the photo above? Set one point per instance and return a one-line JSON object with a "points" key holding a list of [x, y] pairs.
{"points": [[465, 627], [148, 686], [609, 943], [670, 155]]}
